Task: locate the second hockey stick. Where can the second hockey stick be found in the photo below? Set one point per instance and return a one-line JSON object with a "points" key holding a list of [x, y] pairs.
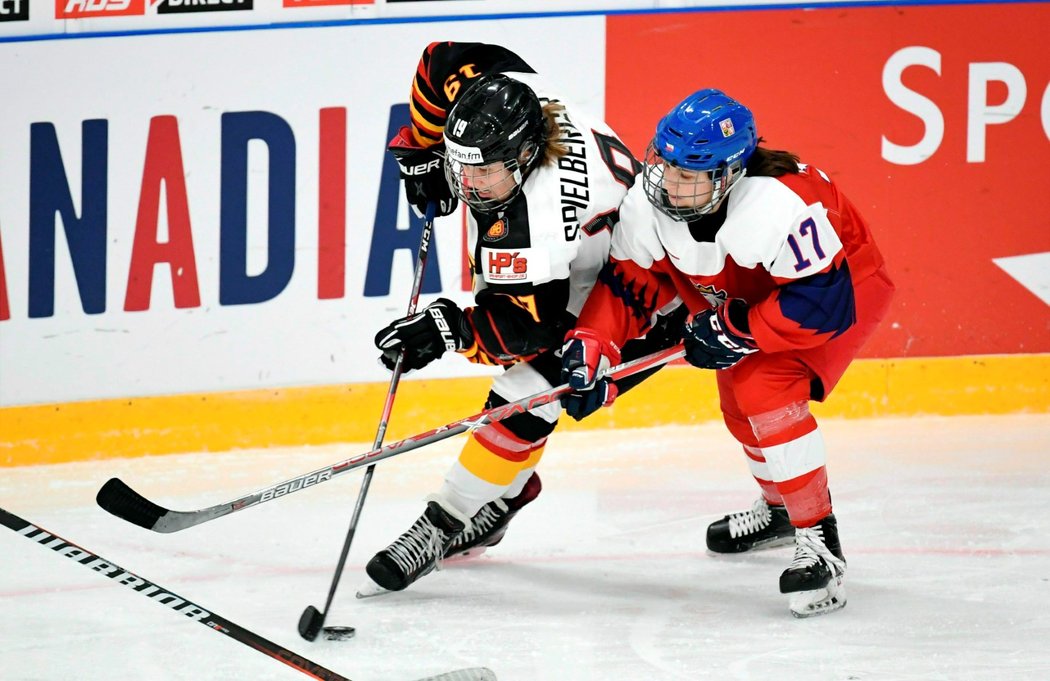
{"points": [[312, 620], [194, 612], [117, 498], [149, 589]]}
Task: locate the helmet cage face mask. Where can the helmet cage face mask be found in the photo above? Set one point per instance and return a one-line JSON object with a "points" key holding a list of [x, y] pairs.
{"points": [[707, 133], [691, 205], [493, 138], [486, 186]]}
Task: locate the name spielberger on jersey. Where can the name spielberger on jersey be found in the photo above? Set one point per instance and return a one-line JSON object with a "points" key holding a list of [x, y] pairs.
{"points": [[575, 194]]}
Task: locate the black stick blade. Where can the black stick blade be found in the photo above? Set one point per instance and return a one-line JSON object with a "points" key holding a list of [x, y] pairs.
{"points": [[310, 623], [122, 501]]}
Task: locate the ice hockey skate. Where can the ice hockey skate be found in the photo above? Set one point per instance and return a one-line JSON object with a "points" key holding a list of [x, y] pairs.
{"points": [[418, 551], [488, 526], [814, 580], [760, 527], [486, 529]]}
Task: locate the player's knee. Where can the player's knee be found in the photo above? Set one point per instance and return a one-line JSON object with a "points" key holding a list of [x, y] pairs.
{"points": [[526, 427], [740, 428], [782, 424]]}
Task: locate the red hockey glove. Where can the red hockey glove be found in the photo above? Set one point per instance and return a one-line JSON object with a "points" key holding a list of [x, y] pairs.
{"points": [[718, 339], [423, 171], [586, 357]]}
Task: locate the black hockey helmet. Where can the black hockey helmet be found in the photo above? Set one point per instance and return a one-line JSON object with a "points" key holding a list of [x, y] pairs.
{"points": [[496, 120]]}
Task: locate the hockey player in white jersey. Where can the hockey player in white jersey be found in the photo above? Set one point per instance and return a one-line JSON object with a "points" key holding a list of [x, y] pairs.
{"points": [[542, 182]]}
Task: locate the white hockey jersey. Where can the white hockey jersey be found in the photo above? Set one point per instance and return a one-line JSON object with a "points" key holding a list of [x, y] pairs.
{"points": [[535, 262]]}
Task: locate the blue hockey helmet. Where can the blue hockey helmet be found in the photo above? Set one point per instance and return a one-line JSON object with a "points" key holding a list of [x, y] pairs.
{"points": [[708, 134]]}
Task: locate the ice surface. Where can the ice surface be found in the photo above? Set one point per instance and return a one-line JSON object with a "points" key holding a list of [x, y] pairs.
{"points": [[945, 523]]}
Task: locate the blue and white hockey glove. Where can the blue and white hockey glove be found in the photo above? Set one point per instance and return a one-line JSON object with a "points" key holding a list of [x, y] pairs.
{"points": [[718, 339], [424, 336], [586, 357]]}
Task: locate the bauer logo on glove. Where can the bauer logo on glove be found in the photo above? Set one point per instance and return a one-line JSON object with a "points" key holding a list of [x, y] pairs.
{"points": [[424, 336], [423, 171]]}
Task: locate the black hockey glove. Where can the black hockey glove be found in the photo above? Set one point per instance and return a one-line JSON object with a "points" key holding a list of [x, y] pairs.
{"points": [[585, 358], [718, 339], [423, 171], [424, 336]]}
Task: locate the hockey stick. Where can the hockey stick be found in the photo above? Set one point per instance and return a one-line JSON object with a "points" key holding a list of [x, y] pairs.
{"points": [[312, 619], [193, 611], [122, 501], [163, 596]]}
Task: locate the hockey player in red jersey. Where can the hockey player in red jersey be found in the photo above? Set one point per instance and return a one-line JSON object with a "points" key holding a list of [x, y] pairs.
{"points": [[784, 283], [542, 182]]}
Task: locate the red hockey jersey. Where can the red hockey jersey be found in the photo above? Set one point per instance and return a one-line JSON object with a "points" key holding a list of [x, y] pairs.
{"points": [[793, 247]]}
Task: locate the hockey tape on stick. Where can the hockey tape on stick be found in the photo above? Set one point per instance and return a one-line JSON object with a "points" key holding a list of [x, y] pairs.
{"points": [[118, 498], [153, 591]]}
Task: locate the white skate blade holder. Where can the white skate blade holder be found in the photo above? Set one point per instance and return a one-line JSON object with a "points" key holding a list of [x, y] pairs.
{"points": [[818, 601], [369, 589]]}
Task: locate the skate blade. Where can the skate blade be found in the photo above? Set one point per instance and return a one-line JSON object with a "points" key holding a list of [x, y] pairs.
{"points": [[370, 589], [774, 543], [469, 554], [805, 604]]}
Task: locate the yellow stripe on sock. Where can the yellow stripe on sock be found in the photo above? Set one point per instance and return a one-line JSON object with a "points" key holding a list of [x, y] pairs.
{"points": [[491, 467]]}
